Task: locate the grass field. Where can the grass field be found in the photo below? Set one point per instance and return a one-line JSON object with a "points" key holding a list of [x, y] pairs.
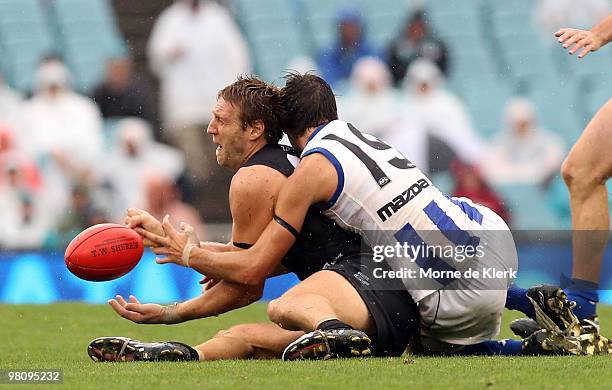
{"points": [[56, 336]]}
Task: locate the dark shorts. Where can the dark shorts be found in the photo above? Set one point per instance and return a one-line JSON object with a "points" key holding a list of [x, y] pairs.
{"points": [[392, 308]]}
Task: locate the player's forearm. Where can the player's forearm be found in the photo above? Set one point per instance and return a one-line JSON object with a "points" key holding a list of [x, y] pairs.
{"points": [[220, 299], [251, 266], [243, 267], [217, 246], [604, 30]]}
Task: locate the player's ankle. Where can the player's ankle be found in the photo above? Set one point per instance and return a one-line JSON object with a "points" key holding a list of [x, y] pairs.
{"points": [[585, 293], [586, 303], [199, 352]]}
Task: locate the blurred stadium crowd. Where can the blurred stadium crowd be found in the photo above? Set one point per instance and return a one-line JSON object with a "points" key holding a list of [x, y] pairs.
{"points": [[475, 92]]}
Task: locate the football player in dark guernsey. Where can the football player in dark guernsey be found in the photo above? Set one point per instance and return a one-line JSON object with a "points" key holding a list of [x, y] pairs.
{"points": [[246, 129]]}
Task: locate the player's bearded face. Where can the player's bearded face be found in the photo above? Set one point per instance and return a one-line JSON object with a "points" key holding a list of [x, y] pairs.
{"points": [[230, 154], [228, 134]]}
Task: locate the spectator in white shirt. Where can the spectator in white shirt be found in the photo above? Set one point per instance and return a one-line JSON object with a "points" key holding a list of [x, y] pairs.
{"points": [[134, 157], [444, 126], [371, 103], [62, 131], [195, 49], [523, 153]]}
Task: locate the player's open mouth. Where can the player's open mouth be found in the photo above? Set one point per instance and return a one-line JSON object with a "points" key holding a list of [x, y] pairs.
{"points": [[218, 151], [216, 142]]}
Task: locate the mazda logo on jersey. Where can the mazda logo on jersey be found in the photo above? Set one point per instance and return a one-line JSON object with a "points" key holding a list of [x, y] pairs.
{"points": [[401, 200]]}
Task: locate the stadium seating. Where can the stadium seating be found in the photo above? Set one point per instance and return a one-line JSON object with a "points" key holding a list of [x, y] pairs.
{"points": [[93, 11], [555, 100], [24, 40], [83, 32], [533, 214], [485, 97], [319, 16], [385, 20], [458, 24], [270, 26], [598, 97], [452, 7], [87, 36], [522, 6], [597, 66], [557, 197]]}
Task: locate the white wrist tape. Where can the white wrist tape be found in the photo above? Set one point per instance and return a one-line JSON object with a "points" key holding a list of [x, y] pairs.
{"points": [[187, 253], [192, 242]]}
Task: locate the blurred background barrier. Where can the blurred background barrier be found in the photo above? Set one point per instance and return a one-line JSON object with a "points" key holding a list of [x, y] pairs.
{"points": [[42, 277]]}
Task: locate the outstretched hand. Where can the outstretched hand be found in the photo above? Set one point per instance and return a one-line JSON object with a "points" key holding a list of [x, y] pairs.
{"points": [[586, 40], [147, 313]]}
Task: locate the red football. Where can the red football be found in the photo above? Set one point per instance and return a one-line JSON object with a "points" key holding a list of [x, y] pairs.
{"points": [[104, 252]]}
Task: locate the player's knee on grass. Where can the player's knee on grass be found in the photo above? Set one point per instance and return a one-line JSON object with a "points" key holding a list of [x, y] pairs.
{"points": [[282, 310], [287, 311], [276, 311]]}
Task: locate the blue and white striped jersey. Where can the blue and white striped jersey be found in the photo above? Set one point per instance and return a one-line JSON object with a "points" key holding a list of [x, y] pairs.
{"points": [[387, 200]]}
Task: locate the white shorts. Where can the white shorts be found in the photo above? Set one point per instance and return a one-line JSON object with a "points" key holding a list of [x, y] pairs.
{"points": [[469, 313]]}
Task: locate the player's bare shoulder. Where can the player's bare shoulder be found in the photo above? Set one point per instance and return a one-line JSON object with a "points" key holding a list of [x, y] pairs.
{"points": [[253, 194], [255, 185]]}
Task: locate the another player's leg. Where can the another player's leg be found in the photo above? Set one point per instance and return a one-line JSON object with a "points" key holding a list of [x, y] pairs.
{"points": [[536, 341], [548, 305], [542, 342], [585, 171], [553, 328], [329, 309], [246, 341]]}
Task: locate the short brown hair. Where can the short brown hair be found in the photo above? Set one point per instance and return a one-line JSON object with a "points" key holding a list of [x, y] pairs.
{"points": [[308, 101], [257, 101]]}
